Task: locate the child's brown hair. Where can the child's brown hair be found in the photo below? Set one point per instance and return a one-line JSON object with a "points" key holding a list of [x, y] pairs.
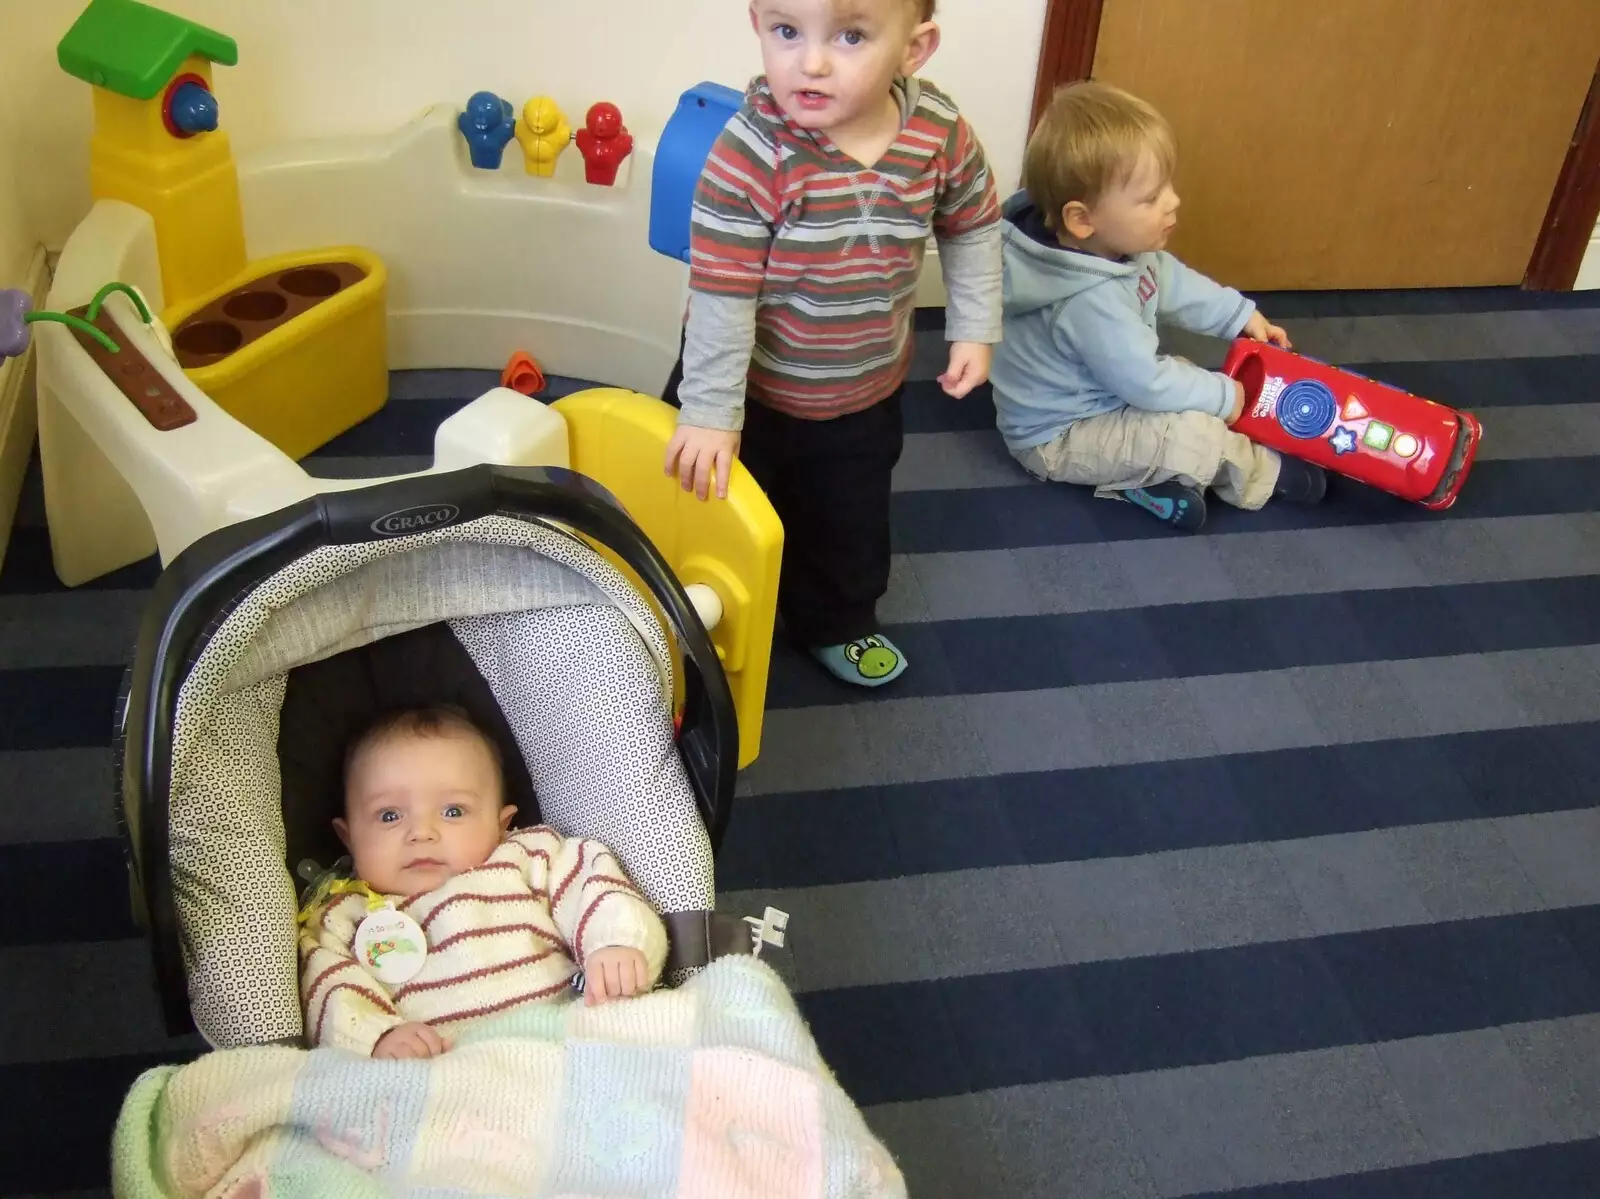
{"points": [[1090, 138], [439, 720]]}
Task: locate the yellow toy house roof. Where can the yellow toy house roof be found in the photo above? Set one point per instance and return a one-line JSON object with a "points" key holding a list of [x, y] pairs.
{"points": [[134, 49]]}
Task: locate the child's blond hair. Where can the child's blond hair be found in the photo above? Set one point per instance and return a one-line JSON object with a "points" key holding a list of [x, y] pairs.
{"points": [[1091, 138], [923, 9]]}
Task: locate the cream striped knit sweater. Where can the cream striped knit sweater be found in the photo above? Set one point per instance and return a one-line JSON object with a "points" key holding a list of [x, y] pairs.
{"points": [[510, 932]]}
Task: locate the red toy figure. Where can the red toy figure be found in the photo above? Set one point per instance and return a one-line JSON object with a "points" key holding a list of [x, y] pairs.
{"points": [[604, 142], [1379, 435]]}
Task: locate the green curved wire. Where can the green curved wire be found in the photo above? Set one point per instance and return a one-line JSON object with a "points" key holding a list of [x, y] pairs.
{"points": [[131, 293], [77, 323]]}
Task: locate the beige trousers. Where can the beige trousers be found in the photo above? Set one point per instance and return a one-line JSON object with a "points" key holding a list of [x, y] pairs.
{"points": [[1135, 448]]}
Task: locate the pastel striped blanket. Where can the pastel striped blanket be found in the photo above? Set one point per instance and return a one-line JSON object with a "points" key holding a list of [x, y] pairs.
{"points": [[714, 1089]]}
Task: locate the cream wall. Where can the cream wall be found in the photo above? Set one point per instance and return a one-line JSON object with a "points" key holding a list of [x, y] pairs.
{"points": [[1589, 272], [17, 235], [312, 67]]}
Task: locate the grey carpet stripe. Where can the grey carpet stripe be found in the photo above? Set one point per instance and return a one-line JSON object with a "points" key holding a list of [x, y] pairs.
{"points": [[969, 736], [72, 628], [1052, 580], [56, 795], [1438, 337], [999, 919], [1264, 1120], [965, 460], [100, 979]]}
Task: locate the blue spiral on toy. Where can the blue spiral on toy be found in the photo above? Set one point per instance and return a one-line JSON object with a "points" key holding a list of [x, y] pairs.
{"points": [[1306, 408]]}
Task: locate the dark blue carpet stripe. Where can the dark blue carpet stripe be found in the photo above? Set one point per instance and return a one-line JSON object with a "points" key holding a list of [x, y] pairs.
{"points": [[905, 829], [68, 706], [923, 1040], [408, 427], [925, 522], [1562, 1171], [1449, 301], [64, 891], [1494, 382], [1026, 653], [58, 707], [28, 569], [397, 428], [1471, 384], [56, 1135]]}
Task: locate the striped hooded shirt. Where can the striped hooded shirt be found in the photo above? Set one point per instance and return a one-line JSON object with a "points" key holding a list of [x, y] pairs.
{"points": [[504, 934], [804, 263]]}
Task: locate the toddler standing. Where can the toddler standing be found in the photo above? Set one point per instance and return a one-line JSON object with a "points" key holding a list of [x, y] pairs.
{"points": [[809, 228]]}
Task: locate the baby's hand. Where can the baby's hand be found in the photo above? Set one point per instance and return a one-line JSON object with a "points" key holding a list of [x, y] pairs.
{"points": [[613, 972], [409, 1040], [969, 366], [1238, 402], [694, 453], [1259, 328]]}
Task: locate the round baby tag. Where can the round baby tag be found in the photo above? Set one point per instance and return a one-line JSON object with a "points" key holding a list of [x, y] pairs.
{"points": [[391, 945]]}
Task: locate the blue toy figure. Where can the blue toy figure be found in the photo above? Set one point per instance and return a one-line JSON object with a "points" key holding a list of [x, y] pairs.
{"points": [[193, 109], [487, 123], [681, 155]]}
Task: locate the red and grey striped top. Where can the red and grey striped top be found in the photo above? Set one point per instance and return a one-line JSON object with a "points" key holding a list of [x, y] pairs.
{"points": [[810, 259], [499, 936]]}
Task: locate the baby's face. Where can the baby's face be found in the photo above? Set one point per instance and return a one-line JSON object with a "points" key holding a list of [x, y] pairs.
{"points": [[830, 64], [421, 809], [1138, 215]]}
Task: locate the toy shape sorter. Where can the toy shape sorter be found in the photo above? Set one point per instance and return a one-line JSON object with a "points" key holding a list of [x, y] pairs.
{"points": [[148, 443], [293, 345]]}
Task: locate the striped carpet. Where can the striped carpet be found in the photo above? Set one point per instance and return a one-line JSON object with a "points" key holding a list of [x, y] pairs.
{"points": [[1260, 863]]}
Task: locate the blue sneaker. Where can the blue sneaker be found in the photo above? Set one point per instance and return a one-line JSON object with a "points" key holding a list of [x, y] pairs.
{"points": [[866, 662], [1181, 506], [1300, 482]]}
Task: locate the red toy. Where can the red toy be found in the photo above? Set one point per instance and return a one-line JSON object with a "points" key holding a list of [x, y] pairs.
{"points": [[1349, 424], [604, 141], [522, 374]]}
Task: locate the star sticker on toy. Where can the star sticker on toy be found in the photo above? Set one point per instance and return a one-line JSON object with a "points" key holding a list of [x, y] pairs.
{"points": [[1343, 440]]}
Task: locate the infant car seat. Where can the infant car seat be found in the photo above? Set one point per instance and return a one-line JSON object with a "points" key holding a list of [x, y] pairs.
{"points": [[265, 642]]}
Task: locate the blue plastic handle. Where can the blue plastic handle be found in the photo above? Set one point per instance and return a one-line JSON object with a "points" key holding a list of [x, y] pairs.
{"points": [[702, 113]]}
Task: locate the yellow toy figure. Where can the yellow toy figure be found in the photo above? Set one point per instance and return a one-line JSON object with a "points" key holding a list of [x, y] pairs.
{"points": [[543, 133]]}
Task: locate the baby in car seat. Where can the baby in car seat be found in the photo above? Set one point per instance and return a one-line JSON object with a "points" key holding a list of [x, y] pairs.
{"points": [[449, 918]]}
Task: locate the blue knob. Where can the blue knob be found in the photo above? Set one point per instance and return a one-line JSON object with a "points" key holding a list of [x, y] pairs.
{"points": [[194, 108]]}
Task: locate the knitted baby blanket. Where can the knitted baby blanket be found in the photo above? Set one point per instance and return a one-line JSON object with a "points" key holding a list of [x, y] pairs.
{"points": [[713, 1089]]}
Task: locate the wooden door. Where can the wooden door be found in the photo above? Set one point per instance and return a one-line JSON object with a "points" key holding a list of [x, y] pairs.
{"points": [[1358, 143]]}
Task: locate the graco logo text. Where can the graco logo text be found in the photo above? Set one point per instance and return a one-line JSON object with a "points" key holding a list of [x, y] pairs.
{"points": [[415, 520]]}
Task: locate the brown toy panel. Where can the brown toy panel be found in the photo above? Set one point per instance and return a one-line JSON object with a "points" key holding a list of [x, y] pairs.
{"points": [[134, 376], [251, 311]]}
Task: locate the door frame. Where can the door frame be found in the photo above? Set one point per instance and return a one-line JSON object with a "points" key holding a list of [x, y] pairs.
{"points": [[1066, 54]]}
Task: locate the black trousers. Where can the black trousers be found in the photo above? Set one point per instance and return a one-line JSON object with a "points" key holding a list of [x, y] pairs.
{"points": [[828, 480]]}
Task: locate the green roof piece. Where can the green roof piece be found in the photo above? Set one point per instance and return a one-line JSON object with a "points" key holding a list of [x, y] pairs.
{"points": [[134, 49]]}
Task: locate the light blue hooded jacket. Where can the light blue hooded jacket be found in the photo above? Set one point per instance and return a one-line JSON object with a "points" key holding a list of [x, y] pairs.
{"points": [[1080, 333]]}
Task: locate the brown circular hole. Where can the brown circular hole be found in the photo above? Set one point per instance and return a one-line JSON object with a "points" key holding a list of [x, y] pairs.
{"points": [[311, 281], [208, 338], [256, 306]]}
